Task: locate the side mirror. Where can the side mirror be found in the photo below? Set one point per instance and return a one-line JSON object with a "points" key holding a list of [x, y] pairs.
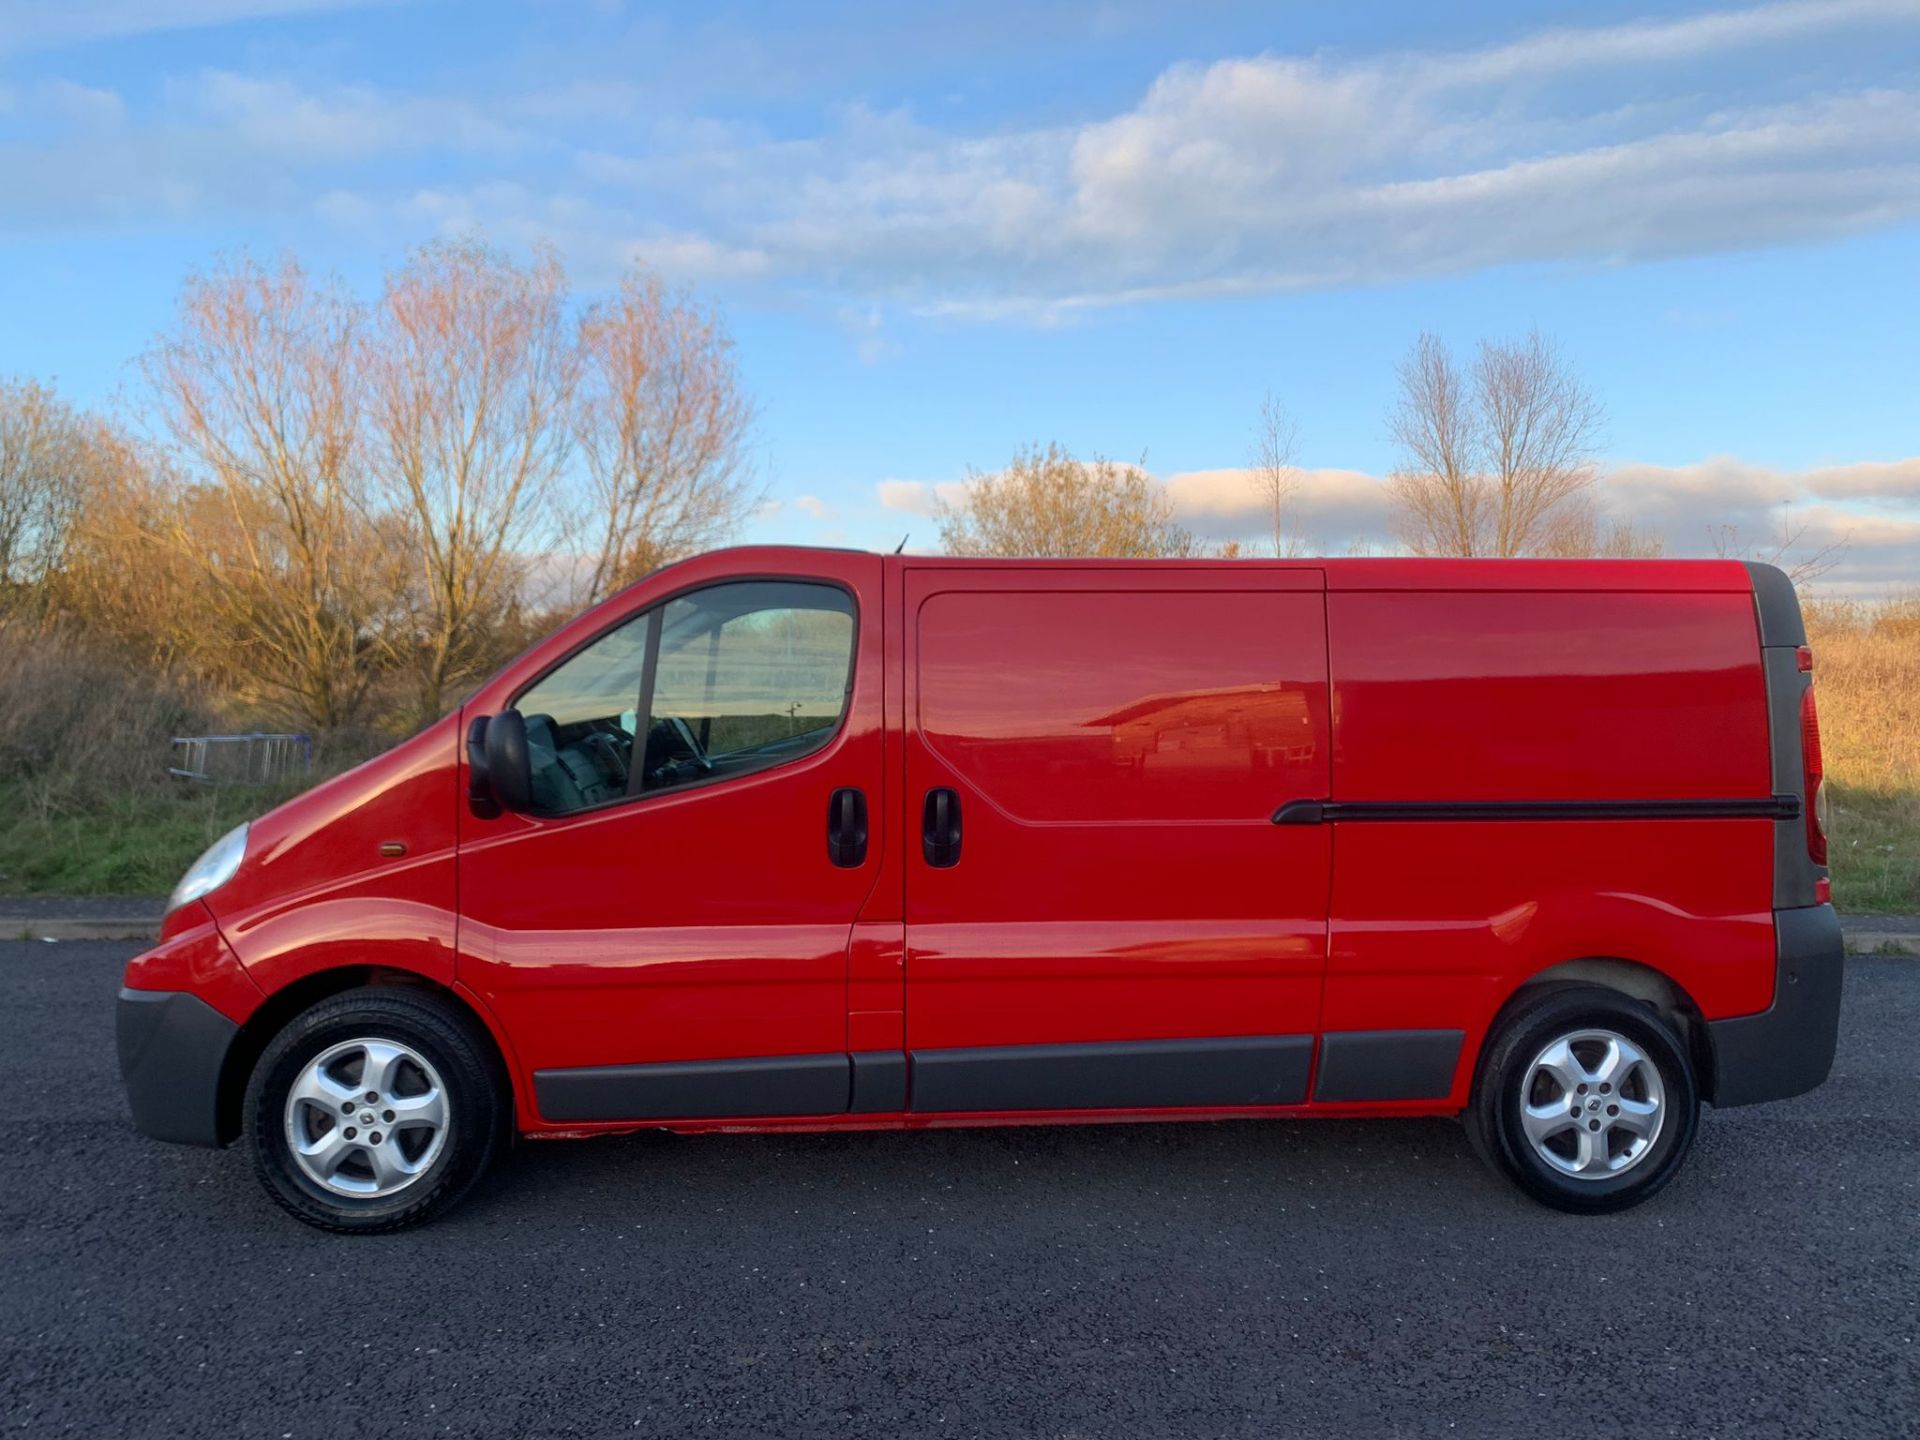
{"points": [[508, 763]]}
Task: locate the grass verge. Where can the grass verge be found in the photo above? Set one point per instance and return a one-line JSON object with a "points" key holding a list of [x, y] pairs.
{"points": [[1866, 680], [136, 842], [1874, 844]]}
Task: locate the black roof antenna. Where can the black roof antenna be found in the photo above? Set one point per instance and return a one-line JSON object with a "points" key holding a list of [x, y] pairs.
{"points": [[903, 542]]}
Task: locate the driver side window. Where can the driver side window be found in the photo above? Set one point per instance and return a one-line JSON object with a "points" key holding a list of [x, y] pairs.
{"points": [[734, 678]]}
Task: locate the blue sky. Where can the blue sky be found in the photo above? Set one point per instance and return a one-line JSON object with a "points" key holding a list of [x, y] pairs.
{"points": [[940, 231]]}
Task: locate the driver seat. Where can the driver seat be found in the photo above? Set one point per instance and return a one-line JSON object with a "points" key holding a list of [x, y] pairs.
{"points": [[554, 788]]}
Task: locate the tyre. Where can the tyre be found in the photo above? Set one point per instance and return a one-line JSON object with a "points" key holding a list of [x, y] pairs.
{"points": [[1585, 1098], [376, 1109]]}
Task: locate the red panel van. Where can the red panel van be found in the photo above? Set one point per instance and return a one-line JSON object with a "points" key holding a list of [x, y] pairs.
{"points": [[785, 838]]}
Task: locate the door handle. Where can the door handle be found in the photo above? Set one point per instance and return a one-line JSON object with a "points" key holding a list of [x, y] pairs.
{"points": [[940, 828], [847, 827]]}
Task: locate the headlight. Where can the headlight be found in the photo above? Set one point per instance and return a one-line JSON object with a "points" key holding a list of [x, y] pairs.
{"points": [[211, 870]]}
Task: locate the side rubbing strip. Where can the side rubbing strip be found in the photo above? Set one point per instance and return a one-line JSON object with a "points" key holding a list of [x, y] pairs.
{"points": [[1315, 812], [879, 1081], [697, 1089], [1128, 1075], [1387, 1064]]}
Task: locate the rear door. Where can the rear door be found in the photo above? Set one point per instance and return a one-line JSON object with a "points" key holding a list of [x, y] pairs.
{"points": [[1100, 912]]}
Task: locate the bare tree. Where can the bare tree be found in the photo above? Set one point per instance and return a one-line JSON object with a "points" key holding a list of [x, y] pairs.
{"points": [[661, 423], [1492, 456], [1786, 548], [1276, 475], [46, 450], [258, 389], [1048, 503], [1578, 530], [472, 368]]}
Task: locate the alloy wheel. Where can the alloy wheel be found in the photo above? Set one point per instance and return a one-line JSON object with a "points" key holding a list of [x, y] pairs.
{"points": [[366, 1118], [1592, 1104]]}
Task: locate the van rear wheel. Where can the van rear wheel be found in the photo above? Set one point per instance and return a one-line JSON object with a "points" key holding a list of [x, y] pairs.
{"points": [[1586, 1099], [375, 1109]]}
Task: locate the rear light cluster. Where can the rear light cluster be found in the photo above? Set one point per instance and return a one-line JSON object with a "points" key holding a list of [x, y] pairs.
{"points": [[1813, 774]]}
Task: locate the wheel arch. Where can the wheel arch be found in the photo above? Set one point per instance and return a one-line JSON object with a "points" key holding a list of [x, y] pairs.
{"points": [[293, 999], [1636, 980]]}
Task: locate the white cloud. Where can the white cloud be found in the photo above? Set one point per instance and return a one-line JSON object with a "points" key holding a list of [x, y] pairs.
{"points": [[1273, 172], [347, 123], [1720, 505], [1248, 174], [50, 24], [909, 497], [1689, 500], [1666, 42], [83, 106], [1892, 481], [1336, 509], [813, 507]]}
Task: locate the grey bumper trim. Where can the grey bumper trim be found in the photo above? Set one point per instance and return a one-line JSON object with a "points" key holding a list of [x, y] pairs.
{"points": [[1787, 1049], [172, 1048]]}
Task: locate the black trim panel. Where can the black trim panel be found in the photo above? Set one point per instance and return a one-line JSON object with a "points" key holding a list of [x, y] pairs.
{"points": [[1315, 812], [879, 1081], [1776, 606], [697, 1089], [1387, 1064], [172, 1047], [1125, 1075], [1795, 876], [1787, 1049]]}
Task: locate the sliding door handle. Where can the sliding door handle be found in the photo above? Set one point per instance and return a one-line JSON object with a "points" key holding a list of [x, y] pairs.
{"points": [[847, 828], [940, 828]]}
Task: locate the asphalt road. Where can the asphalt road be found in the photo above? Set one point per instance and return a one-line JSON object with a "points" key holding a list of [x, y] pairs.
{"points": [[1125, 1281]]}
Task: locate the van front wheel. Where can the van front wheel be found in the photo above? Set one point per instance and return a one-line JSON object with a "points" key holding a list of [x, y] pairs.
{"points": [[377, 1108], [1586, 1099]]}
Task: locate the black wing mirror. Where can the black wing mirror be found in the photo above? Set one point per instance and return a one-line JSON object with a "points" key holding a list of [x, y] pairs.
{"points": [[500, 767], [479, 787]]}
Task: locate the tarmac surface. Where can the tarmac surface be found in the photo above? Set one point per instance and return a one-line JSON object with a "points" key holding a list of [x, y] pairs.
{"points": [[1257, 1278]]}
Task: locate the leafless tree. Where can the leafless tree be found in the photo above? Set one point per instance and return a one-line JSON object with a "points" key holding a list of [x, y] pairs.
{"points": [[1578, 530], [1048, 503], [661, 423], [1276, 474], [46, 450], [1788, 548], [257, 387], [1491, 456], [471, 366]]}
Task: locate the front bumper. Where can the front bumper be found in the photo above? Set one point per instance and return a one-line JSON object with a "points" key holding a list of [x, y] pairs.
{"points": [[179, 1011], [1787, 1049], [173, 1047]]}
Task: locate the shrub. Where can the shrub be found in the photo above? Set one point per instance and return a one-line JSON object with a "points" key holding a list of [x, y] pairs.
{"points": [[78, 722]]}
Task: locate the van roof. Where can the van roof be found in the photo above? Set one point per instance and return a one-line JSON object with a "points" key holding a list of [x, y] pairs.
{"points": [[1397, 572]]}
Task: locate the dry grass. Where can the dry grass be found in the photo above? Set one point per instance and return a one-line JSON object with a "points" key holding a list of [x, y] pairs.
{"points": [[1867, 677]]}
